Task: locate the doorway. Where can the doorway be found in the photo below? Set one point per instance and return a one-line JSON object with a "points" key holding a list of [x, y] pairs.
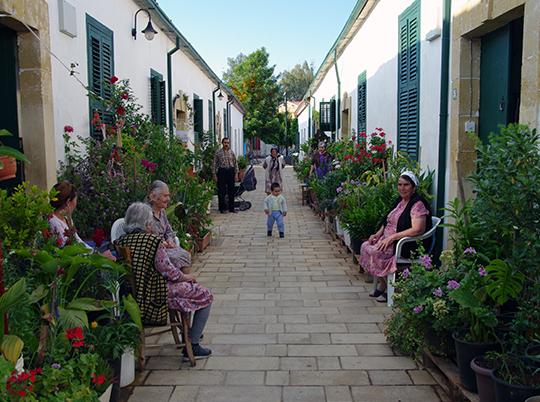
{"points": [[500, 77]]}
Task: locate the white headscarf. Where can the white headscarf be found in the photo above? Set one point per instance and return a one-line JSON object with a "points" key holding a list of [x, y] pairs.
{"points": [[411, 176]]}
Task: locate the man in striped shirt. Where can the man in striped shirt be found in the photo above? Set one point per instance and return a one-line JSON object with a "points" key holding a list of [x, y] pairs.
{"points": [[225, 170]]}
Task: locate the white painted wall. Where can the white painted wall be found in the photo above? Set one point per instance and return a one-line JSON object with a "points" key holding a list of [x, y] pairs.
{"points": [[374, 49], [133, 60], [237, 140], [303, 125]]}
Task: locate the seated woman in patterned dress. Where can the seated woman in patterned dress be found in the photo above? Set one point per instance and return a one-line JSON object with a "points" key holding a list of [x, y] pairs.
{"points": [[410, 217], [159, 198], [160, 284]]}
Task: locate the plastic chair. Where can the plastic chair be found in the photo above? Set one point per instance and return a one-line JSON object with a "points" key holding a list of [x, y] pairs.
{"points": [[391, 278]]}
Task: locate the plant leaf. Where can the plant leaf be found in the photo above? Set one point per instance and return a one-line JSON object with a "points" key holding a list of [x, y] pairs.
{"points": [[14, 295], [12, 347], [8, 151], [72, 318], [86, 304], [133, 310], [505, 282]]}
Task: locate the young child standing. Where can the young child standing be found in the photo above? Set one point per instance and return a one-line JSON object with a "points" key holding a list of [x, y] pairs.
{"points": [[275, 207]]}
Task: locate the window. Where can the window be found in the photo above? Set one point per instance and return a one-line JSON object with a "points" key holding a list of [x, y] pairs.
{"points": [[327, 115], [157, 98], [362, 105], [409, 80], [197, 118], [211, 118], [100, 49]]}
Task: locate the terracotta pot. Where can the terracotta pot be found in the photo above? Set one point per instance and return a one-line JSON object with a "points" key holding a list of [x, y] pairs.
{"points": [[203, 243], [9, 171], [486, 385]]}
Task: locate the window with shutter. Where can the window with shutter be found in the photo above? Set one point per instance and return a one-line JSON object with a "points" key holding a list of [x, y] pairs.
{"points": [[211, 117], [197, 119], [409, 80], [100, 50], [327, 115], [362, 105], [157, 98]]}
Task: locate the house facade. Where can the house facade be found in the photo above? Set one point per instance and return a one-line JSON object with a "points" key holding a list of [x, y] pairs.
{"points": [[79, 45]]}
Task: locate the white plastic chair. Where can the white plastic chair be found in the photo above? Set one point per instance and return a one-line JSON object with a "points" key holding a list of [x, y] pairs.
{"points": [[391, 278]]}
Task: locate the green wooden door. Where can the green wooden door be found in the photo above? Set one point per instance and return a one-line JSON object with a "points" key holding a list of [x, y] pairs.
{"points": [[409, 80], [500, 77], [8, 99]]}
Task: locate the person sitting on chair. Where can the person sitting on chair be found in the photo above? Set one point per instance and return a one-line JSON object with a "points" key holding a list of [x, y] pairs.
{"points": [[159, 284], [409, 217], [158, 198]]}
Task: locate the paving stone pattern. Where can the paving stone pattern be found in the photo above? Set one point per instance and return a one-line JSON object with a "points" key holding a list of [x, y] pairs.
{"points": [[291, 322]]}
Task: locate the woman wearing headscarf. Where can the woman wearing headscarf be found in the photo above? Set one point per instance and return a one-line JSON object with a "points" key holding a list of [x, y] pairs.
{"points": [[273, 165], [321, 161], [410, 217]]}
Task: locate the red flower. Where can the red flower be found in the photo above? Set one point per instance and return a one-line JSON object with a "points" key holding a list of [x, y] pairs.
{"points": [[382, 134], [363, 134], [59, 242], [77, 344], [125, 96], [98, 379], [96, 119], [114, 79], [98, 236], [46, 233], [60, 271], [121, 110], [389, 142], [150, 166], [76, 336], [22, 393], [68, 129], [353, 138]]}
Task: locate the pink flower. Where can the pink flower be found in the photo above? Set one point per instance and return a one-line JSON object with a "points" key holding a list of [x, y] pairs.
{"points": [[482, 271], [405, 273], [438, 292], [452, 284], [425, 260], [150, 166], [469, 250], [418, 309], [125, 96], [68, 129]]}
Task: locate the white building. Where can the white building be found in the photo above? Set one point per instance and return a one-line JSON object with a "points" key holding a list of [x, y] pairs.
{"points": [[168, 77], [384, 70]]}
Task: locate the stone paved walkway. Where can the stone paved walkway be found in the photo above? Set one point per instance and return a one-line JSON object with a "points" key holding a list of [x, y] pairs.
{"points": [[291, 322]]}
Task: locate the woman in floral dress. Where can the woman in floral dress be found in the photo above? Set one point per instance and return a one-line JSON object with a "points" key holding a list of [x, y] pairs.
{"points": [[410, 217]]}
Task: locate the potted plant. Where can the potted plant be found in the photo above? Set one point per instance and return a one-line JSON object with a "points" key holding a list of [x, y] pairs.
{"points": [[479, 294], [242, 165], [515, 381], [483, 367], [204, 239], [8, 159]]}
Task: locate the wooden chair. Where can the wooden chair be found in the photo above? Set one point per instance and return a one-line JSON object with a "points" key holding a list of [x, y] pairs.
{"points": [[305, 189], [179, 321], [391, 278]]}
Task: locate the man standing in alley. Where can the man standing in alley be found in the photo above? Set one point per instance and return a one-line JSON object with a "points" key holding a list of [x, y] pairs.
{"points": [[225, 170]]}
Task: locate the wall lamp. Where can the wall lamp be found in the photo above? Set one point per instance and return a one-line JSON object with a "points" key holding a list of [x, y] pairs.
{"points": [[149, 31], [220, 95]]}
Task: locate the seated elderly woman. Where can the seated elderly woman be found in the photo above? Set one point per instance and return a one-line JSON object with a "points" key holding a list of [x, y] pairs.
{"points": [[159, 198], [410, 217], [60, 222], [160, 284]]}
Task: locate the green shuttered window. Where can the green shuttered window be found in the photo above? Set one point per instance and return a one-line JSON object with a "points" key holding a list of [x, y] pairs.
{"points": [[327, 115], [409, 80], [157, 98], [362, 104], [198, 119], [100, 49]]}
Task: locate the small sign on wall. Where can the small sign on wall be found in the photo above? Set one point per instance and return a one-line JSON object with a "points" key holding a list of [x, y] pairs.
{"points": [[67, 18]]}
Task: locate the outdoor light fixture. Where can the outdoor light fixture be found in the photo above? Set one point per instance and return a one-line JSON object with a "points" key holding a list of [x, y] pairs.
{"points": [[220, 95], [149, 31]]}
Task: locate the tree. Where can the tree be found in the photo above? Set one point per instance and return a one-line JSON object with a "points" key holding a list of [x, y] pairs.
{"points": [[253, 82], [297, 81]]}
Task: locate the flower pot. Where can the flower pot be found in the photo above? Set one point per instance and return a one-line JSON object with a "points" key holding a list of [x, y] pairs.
{"points": [[204, 242], [440, 343], [484, 381], [9, 171], [106, 396], [505, 392], [117, 372], [339, 229], [532, 356], [127, 370], [347, 238], [533, 399], [356, 244], [465, 352]]}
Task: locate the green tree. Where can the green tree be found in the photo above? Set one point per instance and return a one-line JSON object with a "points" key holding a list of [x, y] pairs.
{"points": [[253, 82], [297, 81]]}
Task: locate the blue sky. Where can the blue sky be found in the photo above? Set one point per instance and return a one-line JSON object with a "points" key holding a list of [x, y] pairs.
{"points": [[291, 30]]}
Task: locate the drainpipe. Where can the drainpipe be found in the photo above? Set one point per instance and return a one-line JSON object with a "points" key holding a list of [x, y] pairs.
{"points": [[338, 100], [169, 87], [443, 119], [312, 122], [229, 123], [214, 113], [310, 134]]}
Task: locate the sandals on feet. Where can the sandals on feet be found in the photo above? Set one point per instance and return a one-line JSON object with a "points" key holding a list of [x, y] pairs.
{"points": [[383, 298], [376, 293]]}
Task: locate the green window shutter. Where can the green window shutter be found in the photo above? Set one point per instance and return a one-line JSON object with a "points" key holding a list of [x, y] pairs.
{"points": [[225, 123], [211, 117], [198, 119], [362, 104], [157, 98], [327, 115], [409, 80], [100, 50]]}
